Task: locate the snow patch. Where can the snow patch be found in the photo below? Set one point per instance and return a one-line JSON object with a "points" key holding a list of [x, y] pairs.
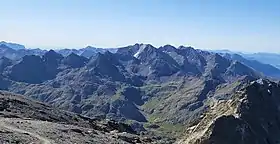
{"points": [[141, 49], [260, 81], [268, 91], [242, 99]]}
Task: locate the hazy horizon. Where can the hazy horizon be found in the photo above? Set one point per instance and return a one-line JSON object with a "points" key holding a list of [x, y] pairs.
{"points": [[211, 50], [243, 26]]}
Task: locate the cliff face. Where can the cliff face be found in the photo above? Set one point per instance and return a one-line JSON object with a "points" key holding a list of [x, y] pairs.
{"points": [[251, 116]]}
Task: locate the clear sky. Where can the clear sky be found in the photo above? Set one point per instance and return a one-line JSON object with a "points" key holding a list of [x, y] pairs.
{"points": [[240, 25]]}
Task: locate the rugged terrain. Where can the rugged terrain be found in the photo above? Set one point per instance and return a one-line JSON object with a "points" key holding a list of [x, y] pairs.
{"points": [[164, 91], [27, 121], [141, 84], [266, 69], [250, 116]]}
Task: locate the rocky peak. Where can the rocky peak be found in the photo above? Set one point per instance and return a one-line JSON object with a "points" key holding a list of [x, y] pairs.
{"points": [[30, 69], [144, 51], [31, 59], [168, 48], [217, 64], [106, 58], [90, 47], [236, 69], [106, 65], [155, 63], [52, 56], [12, 45], [52, 60], [129, 50], [183, 47], [193, 56], [75, 61]]}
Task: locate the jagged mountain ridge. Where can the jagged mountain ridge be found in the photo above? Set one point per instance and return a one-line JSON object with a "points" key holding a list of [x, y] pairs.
{"points": [[16, 51], [13, 45], [267, 63], [266, 69], [16, 54], [138, 84], [89, 51]]}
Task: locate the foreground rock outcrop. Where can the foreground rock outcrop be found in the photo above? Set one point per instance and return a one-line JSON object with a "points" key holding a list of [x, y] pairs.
{"points": [[26, 121], [251, 116]]}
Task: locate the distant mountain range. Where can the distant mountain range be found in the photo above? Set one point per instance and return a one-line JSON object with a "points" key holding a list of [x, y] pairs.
{"points": [[187, 94], [17, 51], [13, 45], [265, 69], [265, 58], [263, 62]]}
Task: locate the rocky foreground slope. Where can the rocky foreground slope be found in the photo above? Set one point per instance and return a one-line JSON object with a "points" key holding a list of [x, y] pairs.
{"points": [[26, 121], [251, 116]]}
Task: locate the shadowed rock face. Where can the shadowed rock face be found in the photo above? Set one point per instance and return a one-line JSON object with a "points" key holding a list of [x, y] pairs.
{"points": [[24, 71], [250, 116], [230, 130], [74, 61], [105, 65], [36, 69]]}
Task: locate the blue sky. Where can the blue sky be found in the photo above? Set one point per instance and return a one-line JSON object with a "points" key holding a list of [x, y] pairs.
{"points": [[240, 25]]}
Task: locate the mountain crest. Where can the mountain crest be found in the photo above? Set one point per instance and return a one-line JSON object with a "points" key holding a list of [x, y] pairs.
{"points": [[168, 48], [4, 46], [144, 50], [13, 45], [75, 61]]}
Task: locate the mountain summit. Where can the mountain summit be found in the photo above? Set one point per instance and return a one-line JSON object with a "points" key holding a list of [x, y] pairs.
{"points": [[13, 45]]}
